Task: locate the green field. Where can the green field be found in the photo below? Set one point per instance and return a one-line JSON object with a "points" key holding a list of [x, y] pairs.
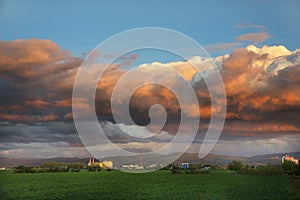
{"points": [[156, 185]]}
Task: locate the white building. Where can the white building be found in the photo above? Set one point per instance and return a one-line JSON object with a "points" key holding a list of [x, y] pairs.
{"points": [[132, 166], [106, 164], [289, 158]]}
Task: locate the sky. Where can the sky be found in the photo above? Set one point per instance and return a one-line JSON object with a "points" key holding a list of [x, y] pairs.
{"points": [[80, 26], [253, 43]]}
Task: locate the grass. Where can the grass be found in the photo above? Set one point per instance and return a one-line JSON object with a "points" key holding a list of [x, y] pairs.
{"points": [[295, 180], [156, 185]]}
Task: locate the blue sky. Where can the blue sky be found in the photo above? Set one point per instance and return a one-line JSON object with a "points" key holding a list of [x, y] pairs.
{"points": [[80, 26]]}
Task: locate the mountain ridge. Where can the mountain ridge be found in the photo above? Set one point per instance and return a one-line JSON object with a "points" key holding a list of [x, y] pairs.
{"points": [[186, 157]]}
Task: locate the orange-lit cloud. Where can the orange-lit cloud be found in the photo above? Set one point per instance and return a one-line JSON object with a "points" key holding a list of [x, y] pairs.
{"points": [[37, 103], [258, 37], [32, 57], [253, 37], [253, 93], [262, 84], [68, 115], [35, 74], [211, 48], [260, 127], [63, 103], [46, 118], [28, 118]]}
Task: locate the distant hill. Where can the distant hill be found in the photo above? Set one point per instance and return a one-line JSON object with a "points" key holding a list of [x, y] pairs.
{"points": [[209, 159], [12, 162], [272, 159], [186, 157]]}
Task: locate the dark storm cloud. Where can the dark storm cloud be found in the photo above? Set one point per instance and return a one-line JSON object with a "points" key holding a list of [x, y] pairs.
{"points": [[39, 132]]}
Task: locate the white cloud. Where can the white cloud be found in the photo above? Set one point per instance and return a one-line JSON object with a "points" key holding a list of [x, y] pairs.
{"points": [[283, 62], [258, 146], [271, 52], [41, 150], [245, 147]]}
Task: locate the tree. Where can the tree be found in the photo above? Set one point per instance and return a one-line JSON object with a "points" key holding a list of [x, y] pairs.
{"points": [[291, 168], [235, 165]]}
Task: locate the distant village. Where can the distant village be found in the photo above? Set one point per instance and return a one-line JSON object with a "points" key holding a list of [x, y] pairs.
{"points": [[95, 165], [108, 164]]}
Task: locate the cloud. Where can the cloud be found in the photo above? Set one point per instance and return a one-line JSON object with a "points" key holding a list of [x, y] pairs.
{"points": [[254, 37], [212, 48], [259, 128], [249, 25], [39, 132], [36, 77], [237, 147], [251, 147], [32, 57], [63, 103], [68, 116], [28, 118], [259, 37], [248, 73], [36, 80], [37, 103], [133, 133], [42, 150], [253, 92]]}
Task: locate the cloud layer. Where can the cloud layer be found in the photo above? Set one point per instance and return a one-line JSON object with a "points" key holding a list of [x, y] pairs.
{"points": [[37, 76]]}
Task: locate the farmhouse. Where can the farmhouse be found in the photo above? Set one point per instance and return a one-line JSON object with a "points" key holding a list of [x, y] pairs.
{"points": [[184, 165], [289, 158], [106, 164]]}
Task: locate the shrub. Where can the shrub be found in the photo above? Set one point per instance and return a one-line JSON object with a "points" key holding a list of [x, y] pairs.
{"points": [[24, 169], [76, 165], [176, 171], [94, 168], [214, 167], [75, 170], [191, 170], [197, 171]]}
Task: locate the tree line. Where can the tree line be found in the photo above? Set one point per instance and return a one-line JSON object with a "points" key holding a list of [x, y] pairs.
{"points": [[288, 167], [52, 167]]}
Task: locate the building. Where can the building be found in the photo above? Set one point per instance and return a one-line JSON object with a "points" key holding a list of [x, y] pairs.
{"points": [[106, 164], [91, 161], [184, 165], [135, 166], [132, 166], [289, 158]]}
